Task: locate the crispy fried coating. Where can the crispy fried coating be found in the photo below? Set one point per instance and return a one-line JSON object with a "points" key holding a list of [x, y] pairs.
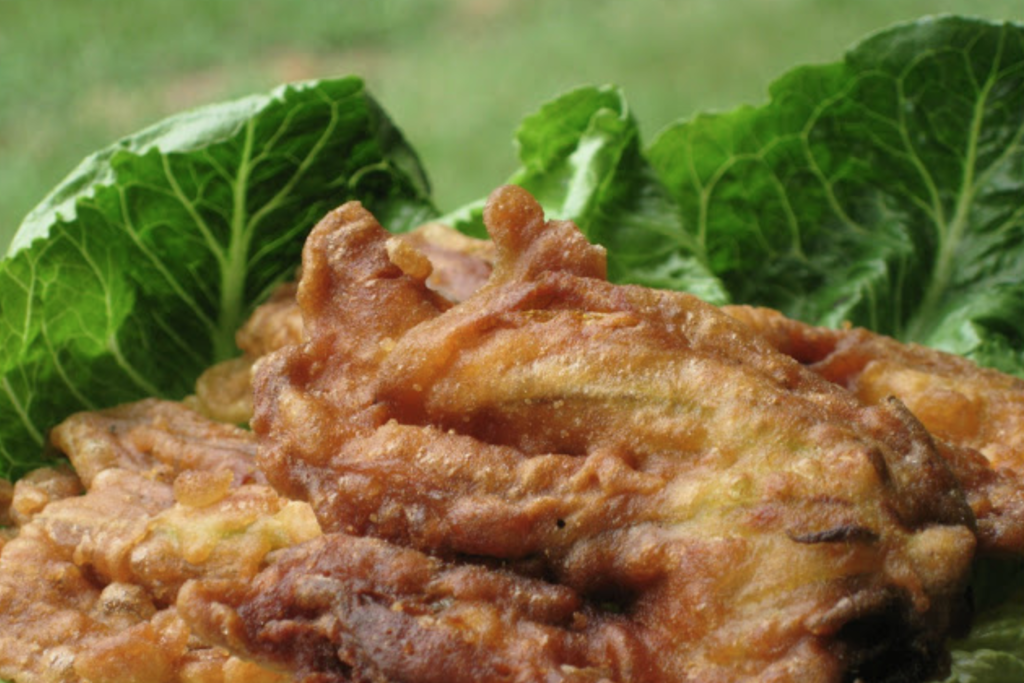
{"points": [[32, 493], [456, 267], [976, 413], [460, 265], [158, 439], [375, 611], [698, 506], [88, 584]]}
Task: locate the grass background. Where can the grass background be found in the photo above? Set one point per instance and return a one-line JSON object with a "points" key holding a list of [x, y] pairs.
{"points": [[456, 75]]}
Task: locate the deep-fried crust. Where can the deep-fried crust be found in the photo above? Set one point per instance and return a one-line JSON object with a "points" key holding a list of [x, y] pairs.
{"points": [[977, 413], [738, 517], [346, 608], [460, 265], [88, 584], [456, 266], [158, 439]]}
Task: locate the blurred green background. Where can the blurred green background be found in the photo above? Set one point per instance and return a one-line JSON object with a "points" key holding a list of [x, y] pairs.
{"points": [[456, 75]]}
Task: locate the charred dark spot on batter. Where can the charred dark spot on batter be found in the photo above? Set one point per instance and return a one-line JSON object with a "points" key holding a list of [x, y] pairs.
{"points": [[846, 533]]}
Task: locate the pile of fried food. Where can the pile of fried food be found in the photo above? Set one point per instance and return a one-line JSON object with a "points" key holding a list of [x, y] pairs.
{"points": [[480, 461]]}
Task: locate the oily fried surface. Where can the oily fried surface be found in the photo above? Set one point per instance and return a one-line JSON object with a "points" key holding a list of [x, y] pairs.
{"points": [[363, 609], [157, 439], [460, 265], [977, 412], [698, 506], [456, 267], [88, 584]]}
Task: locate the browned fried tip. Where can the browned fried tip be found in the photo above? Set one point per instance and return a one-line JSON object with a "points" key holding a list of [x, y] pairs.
{"points": [[455, 267], [528, 246]]}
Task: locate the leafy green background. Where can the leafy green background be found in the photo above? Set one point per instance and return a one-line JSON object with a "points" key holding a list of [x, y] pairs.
{"points": [[457, 74], [885, 190], [134, 275]]}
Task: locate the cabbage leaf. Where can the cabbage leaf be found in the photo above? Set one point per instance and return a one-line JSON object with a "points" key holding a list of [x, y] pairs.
{"points": [[886, 189], [134, 274], [994, 650]]}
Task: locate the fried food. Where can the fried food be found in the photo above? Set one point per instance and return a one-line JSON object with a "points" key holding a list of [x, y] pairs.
{"points": [[348, 608], [458, 266], [88, 584], [37, 489], [976, 413], [563, 479]]}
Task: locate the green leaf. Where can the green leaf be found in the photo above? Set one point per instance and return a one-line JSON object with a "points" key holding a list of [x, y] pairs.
{"points": [[994, 649], [886, 189], [985, 666], [134, 274], [582, 159]]}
